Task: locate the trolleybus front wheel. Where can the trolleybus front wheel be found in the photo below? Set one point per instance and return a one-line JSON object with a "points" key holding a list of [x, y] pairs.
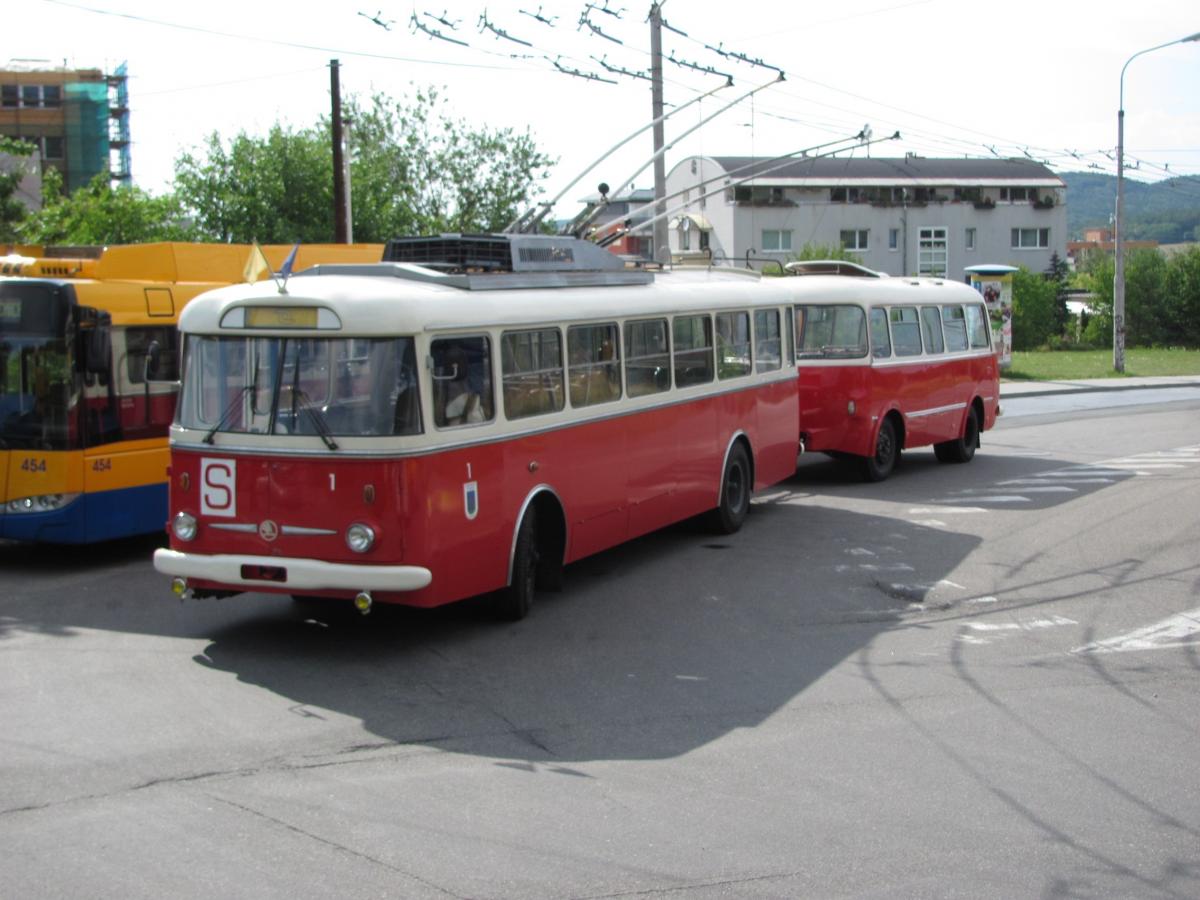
{"points": [[736, 486], [879, 466], [961, 449]]}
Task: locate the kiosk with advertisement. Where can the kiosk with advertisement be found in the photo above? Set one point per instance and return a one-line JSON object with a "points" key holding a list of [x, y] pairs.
{"points": [[995, 282]]}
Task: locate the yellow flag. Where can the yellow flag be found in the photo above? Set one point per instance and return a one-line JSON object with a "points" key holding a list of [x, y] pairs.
{"points": [[257, 265]]}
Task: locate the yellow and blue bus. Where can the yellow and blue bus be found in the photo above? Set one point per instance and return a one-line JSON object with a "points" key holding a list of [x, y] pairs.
{"points": [[83, 447]]}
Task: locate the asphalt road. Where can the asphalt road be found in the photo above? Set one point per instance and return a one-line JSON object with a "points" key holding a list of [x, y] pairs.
{"points": [[969, 680]]}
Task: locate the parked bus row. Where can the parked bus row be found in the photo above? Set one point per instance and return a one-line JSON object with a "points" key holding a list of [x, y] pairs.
{"points": [[83, 432], [477, 412]]}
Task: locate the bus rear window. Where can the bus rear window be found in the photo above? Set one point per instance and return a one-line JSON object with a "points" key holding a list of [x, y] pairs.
{"points": [[931, 329], [766, 340], [977, 327], [881, 342]]}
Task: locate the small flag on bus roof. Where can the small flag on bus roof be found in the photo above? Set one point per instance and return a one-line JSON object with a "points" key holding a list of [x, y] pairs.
{"points": [[257, 265]]}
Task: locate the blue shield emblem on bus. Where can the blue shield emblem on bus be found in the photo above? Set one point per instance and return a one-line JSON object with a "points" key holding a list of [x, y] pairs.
{"points": [[471, 499]]}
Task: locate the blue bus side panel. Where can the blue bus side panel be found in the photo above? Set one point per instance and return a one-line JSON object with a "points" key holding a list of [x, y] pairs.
{"points": [[95, 517]]}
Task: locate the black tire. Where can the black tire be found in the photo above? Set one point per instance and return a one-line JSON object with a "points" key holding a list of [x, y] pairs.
{"points": [[887, 452], [961, 449], [736, 488], [513, 602]]}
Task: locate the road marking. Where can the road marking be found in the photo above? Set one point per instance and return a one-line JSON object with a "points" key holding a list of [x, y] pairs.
{"points": [[1024, 625], [1182, 630]]}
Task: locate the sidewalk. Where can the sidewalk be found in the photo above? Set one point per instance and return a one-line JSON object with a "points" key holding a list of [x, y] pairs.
{"points": [[1092, 385]]}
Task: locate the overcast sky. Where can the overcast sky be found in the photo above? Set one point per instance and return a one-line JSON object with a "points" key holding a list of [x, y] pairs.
{"points": [[955, 77]]}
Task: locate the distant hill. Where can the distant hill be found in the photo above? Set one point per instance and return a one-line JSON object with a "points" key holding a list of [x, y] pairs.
{"points": [[1166, 211]]}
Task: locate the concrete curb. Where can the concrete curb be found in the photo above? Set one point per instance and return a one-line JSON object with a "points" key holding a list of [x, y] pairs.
{"points": [[1091, 386]]}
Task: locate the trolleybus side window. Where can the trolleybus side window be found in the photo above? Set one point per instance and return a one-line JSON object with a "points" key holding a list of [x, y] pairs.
{"points": [[766, 340], [531, 364], [693, 350], [955, 328], [931, 329], [881, 342], [831, 332], [733, 344], [977, 327], [906, 330], [462, 381], [594, 371], [647, 357]]}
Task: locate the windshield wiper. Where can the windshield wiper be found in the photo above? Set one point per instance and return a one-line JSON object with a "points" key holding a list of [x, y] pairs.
{"points": [[228, 414], [318, 420]]}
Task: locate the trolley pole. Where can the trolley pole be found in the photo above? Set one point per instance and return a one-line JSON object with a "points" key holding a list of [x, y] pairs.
{"points": [[661, 246], [340, 209]]}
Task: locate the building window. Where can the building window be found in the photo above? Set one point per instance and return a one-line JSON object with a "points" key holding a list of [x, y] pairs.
{"points": [[31, 95], [54, 148], [970, 239], [1016, 194], [854, 239], [1030, 238], [893, 238], [933, 256], [10, 95], [51, 95], [776, 241]]}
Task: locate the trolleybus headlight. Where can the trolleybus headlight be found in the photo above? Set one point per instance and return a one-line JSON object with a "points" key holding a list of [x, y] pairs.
{"points": [[184, 526], [41, 503], [360, 538]]}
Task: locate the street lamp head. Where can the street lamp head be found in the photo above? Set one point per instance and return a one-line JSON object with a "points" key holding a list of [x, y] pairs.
{"points": [[1194, 37]]}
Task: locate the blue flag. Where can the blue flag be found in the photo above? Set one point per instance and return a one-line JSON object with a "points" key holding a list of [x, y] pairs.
{"points": [[286, 269]]}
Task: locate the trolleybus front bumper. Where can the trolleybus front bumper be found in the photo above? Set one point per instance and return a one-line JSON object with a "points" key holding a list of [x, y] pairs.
{"points": [[297, 574]]}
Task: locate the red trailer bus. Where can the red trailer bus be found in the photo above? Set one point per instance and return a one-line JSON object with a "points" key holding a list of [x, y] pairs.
{"points": [[467, 417], [891, 363]]}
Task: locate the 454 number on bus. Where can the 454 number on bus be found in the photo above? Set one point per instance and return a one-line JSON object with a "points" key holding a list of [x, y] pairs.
{"points": [[33, 464]]}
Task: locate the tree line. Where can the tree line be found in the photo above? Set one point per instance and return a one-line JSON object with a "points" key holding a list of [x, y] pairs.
{"points": [[1162, 302], [415, 169]]}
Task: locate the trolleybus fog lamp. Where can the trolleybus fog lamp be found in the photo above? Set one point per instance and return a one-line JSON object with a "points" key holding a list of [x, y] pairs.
{"points": [[360, 538], [179, 586], [363, 601], [184, 526]]}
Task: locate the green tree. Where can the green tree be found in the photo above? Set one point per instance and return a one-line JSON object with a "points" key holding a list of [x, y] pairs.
{"points": [[12, 210], [826, 251], [102, 214], [1033, 321], [414, 170], [1181, 297]]}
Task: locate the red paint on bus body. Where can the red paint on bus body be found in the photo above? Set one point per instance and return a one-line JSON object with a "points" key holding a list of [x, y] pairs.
{"points": [[616, 478]]}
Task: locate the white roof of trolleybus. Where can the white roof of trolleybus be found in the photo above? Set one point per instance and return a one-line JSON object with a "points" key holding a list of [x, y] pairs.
{"points": [[371, 305]]}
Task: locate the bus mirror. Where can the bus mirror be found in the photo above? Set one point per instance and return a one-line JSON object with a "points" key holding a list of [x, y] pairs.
{"points": [[98, 350], [161, 366]]}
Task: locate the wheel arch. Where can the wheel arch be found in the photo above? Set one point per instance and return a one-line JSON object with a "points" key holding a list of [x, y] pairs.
{"points": [[738, 437], [552, 526]]}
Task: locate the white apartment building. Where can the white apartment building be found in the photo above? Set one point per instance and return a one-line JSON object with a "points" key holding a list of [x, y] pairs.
{"points": [[910, 216]]}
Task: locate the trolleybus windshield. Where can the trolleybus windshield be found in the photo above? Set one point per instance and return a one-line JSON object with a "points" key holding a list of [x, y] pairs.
{"points": [[301, 385], [36, 375]]}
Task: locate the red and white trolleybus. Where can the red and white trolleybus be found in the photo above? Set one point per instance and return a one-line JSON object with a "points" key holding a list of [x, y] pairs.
{"points": [[891, 363], [468, 416]]}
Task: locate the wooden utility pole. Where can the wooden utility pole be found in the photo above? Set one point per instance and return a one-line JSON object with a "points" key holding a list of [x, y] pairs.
{"points": [[340, 209], [662, 251]]}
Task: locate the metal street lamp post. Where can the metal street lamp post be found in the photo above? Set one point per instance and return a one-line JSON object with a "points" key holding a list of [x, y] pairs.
{"points": [[1119, 220]]}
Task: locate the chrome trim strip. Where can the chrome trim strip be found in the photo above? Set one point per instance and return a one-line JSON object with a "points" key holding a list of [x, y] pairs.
{"points": [[920, 414], [243, 527], [301, 530]]}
